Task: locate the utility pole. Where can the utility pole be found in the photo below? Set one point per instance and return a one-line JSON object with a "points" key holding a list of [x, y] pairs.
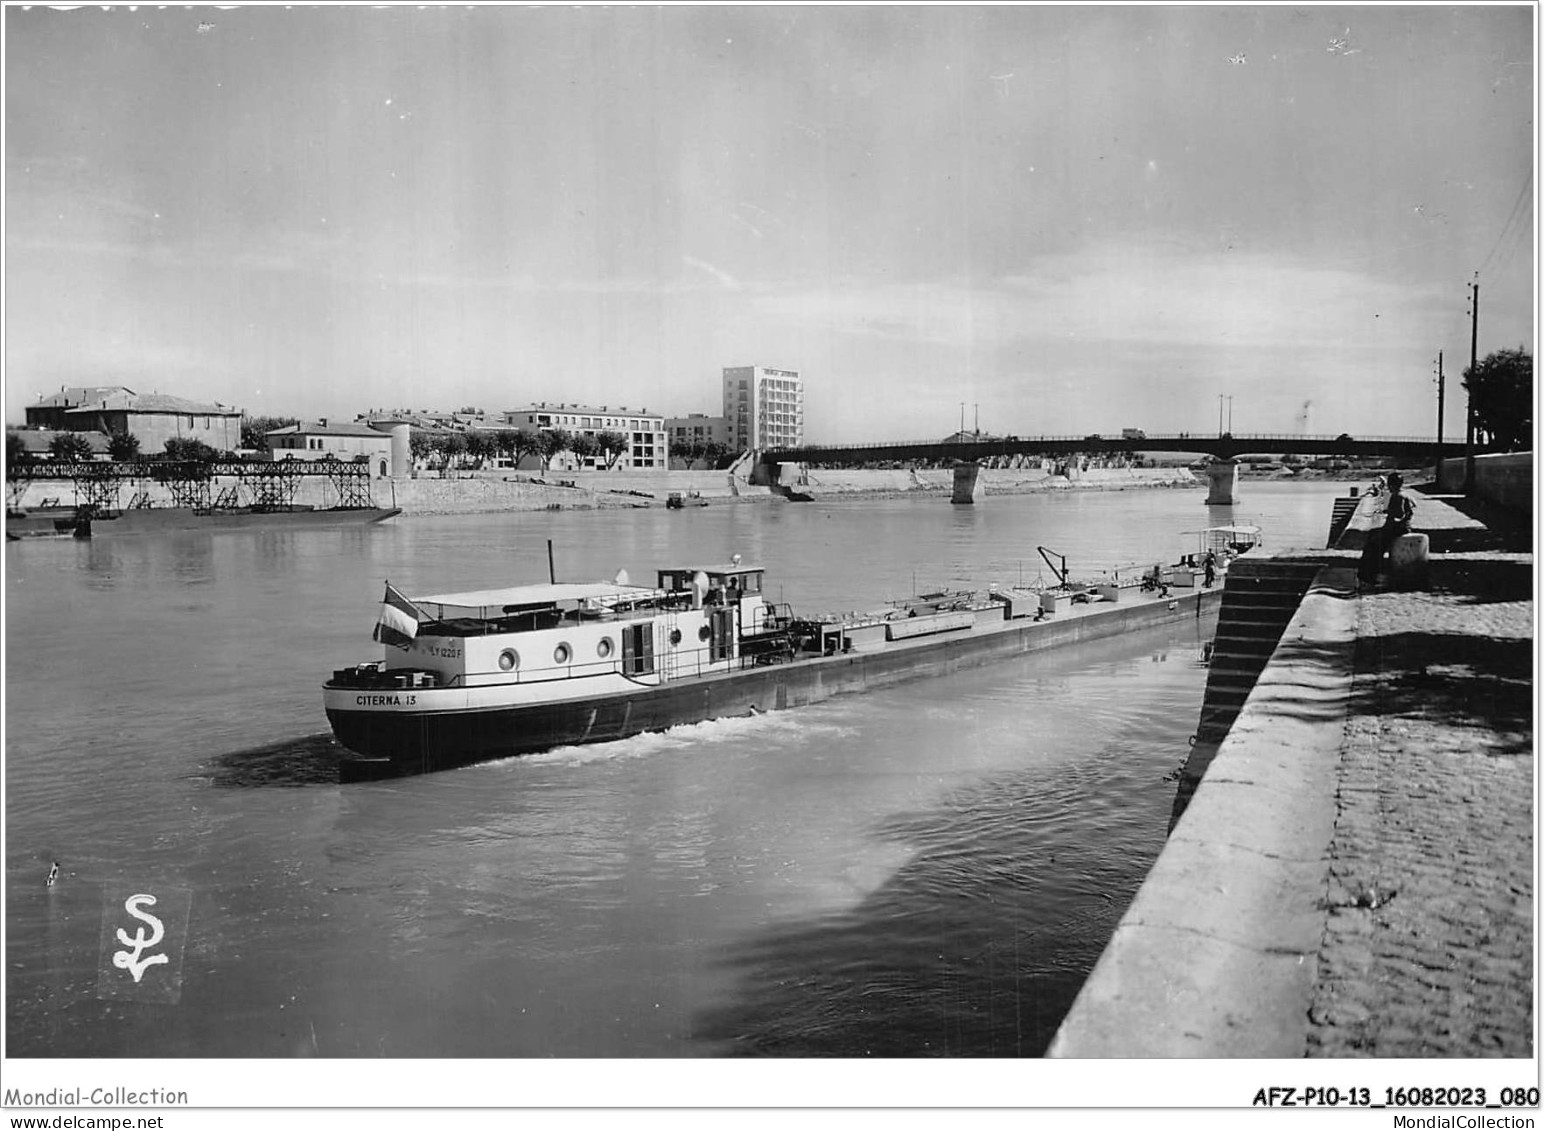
{"points": [[1441, 392], [962, 420], [1219, 416], [978, 421], [1474, 360]]}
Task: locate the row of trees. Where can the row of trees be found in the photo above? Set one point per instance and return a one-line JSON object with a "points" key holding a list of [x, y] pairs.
{"points": [[446, 448], [710, 450], [73, 447]]}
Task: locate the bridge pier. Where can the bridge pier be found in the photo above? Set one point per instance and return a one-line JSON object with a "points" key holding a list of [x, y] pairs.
{"points": [[1221, 482], [968, 486]]}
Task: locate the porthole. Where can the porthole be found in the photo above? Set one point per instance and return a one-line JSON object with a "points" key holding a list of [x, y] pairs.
{"points": [[509, 659], [704, 632], [562, 653], [675, 636], [603, 649]]}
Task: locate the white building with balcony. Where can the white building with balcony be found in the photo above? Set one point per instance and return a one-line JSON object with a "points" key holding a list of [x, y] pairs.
{"points": [[764, 407], [648, 444]]}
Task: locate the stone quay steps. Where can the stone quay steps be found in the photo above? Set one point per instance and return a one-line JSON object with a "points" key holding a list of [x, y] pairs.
{"points": [[1259, 597], [1340, 517]]}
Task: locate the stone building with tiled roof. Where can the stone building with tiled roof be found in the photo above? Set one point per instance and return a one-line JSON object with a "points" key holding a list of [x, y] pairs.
{"points": [[152, 417]]}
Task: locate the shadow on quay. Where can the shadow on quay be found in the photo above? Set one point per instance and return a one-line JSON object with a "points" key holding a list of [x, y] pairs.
{"points": [[1458, 678], [1480, 581], [1501, 529], [312, 760]]}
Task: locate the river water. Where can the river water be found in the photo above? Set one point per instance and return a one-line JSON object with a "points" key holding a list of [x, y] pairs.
{"points": [[928, 870]]}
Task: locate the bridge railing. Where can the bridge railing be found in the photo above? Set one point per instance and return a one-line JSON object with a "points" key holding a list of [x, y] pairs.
{"points": [[1283, 439]]}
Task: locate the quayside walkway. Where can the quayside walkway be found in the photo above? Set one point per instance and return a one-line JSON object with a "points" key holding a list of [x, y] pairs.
{"points": [[1354, 874]]}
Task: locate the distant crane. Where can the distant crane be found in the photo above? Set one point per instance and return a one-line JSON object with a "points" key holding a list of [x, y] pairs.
{"points": [[1302, 418]]}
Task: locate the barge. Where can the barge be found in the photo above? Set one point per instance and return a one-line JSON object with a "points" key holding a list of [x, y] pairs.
{"points": [[469, 677], [92, 523]]}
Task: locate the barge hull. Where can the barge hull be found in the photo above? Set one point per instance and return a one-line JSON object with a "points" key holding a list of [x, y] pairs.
{"points": [[158, 520], [399, 743]]}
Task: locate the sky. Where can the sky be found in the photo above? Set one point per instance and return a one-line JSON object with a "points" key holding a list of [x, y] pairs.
{"points": [[1038, 220]]}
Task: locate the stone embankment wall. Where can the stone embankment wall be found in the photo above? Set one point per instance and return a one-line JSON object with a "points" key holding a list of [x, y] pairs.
{"points": [[484, 492], [1505, 480]]}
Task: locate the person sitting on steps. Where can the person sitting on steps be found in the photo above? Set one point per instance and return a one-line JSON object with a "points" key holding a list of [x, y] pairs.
{"points": [[1397, 514]]}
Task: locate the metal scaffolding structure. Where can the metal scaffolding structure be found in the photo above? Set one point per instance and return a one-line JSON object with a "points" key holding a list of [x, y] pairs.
{"points": [[227, 484], [95, 487]]}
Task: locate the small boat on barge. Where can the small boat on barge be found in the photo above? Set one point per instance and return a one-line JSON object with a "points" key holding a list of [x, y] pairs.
{"points": [[469, 677]]}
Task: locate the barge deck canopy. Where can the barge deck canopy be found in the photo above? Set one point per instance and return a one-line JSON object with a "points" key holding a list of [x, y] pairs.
{"points": [[504, 610], [1237, 538]]}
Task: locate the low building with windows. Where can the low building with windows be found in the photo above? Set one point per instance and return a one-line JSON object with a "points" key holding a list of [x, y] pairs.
{"points": [[325, 439], [648, 444], [153, 418], [697, 428]]}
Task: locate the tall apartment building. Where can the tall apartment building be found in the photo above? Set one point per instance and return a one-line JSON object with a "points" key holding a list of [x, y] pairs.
{"points": [[764, 407], [648, 442]]}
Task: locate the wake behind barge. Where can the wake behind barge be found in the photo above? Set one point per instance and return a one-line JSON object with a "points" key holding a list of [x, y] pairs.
{"points": [[468, 677]]}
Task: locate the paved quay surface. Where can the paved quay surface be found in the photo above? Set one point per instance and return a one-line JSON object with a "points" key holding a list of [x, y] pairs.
{"points": [[1354, 874], [1428, 945]]}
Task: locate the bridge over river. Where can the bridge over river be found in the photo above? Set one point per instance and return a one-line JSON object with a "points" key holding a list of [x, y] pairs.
{"points": [[969, 453], [1229, 445]]}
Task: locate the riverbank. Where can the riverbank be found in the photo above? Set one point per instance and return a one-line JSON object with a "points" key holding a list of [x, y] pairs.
{"points": [[492, 492], [1353, 877]]}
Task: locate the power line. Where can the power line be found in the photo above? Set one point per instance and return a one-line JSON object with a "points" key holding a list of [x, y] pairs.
{"points": [[1511, 217], [1519, 238]]}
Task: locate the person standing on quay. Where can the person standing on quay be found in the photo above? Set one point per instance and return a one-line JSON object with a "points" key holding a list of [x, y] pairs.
{"points": [[1397, 513]]}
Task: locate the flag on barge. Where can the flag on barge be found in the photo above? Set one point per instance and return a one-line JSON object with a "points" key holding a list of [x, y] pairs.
{"points": [[398, 622]]}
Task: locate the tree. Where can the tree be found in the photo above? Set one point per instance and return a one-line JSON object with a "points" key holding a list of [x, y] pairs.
{"points": [[584, 446], [687, 451], [1501, 399], [123, 446], [613, 446], [521, 443], [255, 429], [481, 445], [183, 449], [69, 447], [16, 453], [453, 445], [550, 443], [420, 444]]}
